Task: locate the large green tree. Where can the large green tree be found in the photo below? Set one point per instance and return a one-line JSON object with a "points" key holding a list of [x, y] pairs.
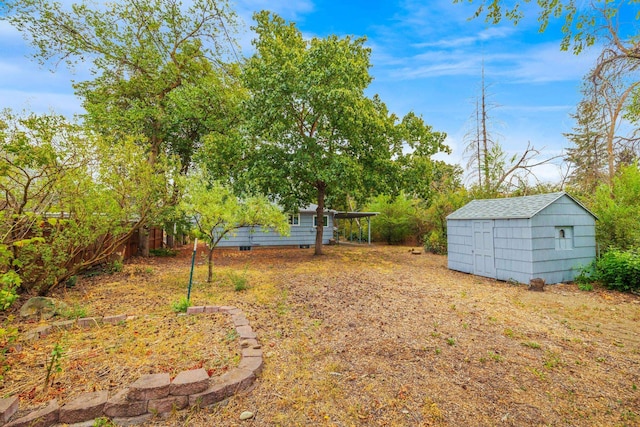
{"points": [[147, 57], [315, 135]]}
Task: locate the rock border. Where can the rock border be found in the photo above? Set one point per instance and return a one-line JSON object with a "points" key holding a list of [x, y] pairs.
{"points": [[151, 394]]}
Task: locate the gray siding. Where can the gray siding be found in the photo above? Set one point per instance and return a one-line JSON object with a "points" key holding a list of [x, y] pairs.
{"points": [[303, 234], [460, 245], [562, 265], [527, 248], [513, 251]]}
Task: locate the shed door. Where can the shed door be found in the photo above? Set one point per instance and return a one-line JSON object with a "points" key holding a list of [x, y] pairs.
{"points": [[483, 262]]}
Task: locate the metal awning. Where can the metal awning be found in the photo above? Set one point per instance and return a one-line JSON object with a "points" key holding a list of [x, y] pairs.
{"points": [[357, 215], [350, 215]]}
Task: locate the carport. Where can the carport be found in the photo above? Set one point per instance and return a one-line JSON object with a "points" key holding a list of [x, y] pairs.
{"points": [[357, 215]]}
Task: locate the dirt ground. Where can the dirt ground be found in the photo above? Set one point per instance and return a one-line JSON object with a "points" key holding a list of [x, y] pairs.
{"points": [[376, 336]]}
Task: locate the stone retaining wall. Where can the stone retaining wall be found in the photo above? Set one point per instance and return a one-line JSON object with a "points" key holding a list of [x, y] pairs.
{"points": [[152, 394]]}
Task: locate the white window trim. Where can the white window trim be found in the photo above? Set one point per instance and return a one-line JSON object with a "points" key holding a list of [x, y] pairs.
{"points": [[315, 220], [291, 217]]}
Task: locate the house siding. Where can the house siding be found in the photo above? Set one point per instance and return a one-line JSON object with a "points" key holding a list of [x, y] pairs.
{"points": [[526, 248], [303, 234]]}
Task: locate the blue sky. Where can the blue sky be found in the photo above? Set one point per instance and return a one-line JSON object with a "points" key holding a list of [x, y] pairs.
{"points": [[427, 58]]}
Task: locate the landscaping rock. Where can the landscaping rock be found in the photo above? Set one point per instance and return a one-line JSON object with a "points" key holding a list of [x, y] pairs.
{"points": [[246, 415], [216, 392], [152, 386], [238, 379], [189, 382], [119, 406], [253, 364], [168, 404], [246, 333], [41, 307], [86, 407], [132, 421], [44, 417], [8, 407], [89, 322], [114, 320]]}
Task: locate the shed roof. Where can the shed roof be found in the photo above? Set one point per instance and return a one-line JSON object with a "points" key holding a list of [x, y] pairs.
{"points": [[510, 208]]}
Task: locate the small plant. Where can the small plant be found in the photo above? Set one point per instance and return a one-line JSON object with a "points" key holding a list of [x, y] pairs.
{"points": [[103, 422], [114, 266], [9, 284], [232, 334], [586, 287], [74, 312], [451, 341], [54, 365], [163, 252], [8, 335], [181, 305], [531, 344], [553, 360], [495, 357], [239, 281], [71, 282]]}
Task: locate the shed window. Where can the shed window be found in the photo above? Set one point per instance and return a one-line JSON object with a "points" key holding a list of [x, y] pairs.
{"points": [[564, 238], [294, 219], [325, 220]]}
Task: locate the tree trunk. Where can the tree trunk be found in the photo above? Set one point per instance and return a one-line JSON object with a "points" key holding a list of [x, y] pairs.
{"points": [[319, 217], [143, 243], [210, 265]]}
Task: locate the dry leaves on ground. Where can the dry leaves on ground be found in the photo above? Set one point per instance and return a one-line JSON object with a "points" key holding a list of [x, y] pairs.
{"points": [[378, 336]]}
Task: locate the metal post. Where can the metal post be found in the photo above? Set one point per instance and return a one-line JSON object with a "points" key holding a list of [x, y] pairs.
{"points": [[193, 261], [369, 227]]}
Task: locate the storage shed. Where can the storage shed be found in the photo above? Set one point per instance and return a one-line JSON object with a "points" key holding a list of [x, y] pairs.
{"points": [[548, 236]]}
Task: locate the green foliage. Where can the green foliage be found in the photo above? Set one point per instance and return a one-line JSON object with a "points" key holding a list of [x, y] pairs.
{"points": [[618, 210], [181, 305], [74, 312], [399, 217], [581, 27], [163, 252], [8, 335], [450, 198], [239, 281], [217, 212], [71, 197], [103, 422], [54, 365], [316, 136], [619, 270]]}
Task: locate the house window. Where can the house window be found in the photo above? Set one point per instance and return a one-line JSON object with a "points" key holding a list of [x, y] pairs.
{"points": [[564, 238], [325, 220], [294, 219]]}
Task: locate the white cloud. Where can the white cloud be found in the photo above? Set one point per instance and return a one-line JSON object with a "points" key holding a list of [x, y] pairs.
{"points": [[490, 33]]}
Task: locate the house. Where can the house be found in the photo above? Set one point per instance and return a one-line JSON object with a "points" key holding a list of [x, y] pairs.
{"points": [[548, 236], [302, 234]]}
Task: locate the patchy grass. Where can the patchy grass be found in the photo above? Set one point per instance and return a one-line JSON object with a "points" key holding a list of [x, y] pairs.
{"points": [[374, 336]]}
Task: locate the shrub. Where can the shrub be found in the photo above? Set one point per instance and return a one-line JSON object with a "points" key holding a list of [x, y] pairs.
{"points": [[619, 270], [163, 252], [181, 305], [239, 281]]}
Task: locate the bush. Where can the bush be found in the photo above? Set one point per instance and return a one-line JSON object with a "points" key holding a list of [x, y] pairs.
{"points": [[163, 252], [619, 270], [181, 305]]}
